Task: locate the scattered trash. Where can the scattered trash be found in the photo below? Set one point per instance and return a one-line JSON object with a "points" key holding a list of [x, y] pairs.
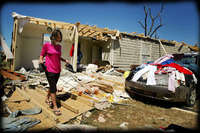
{"points": [[88, 114], [101, 118], [3, 98], [91, 68], [97, 88], [102, 105], [11, 123], [124, 125], [23, 70]]}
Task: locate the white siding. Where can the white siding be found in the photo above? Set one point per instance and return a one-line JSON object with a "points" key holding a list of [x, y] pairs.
{"points": [[128, 51]]}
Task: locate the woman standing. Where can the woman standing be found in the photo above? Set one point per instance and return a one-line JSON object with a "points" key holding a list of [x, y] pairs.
{"points": [[52, 53]]}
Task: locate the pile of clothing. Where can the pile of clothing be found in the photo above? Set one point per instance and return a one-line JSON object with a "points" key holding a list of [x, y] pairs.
{"points": [[164, 71]]}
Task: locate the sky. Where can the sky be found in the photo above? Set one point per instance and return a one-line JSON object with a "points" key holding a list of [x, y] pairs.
{"points": [[180, 19]]}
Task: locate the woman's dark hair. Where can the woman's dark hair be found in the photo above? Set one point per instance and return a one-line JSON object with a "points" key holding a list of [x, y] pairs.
{"points": [[55, 33]]}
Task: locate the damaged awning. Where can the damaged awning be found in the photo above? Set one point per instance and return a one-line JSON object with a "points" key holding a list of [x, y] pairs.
{"points": [[103, 34]]}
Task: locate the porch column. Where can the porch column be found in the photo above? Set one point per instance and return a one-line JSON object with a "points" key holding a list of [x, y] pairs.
{"points": [[75, 47]]}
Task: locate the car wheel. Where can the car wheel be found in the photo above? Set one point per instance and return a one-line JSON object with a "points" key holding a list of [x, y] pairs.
{"points": [[191, 97]]}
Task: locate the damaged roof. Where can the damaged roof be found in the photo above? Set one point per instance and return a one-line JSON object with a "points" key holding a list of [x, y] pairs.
{"points": [[173, 42], [103, 34], [94, 32]]}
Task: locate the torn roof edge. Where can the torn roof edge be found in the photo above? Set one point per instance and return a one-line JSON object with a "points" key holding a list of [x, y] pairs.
{"points": [[110, 32]]}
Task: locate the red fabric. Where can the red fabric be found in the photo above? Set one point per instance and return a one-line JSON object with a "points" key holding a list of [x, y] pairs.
{"points": [[179, 68], [71, 53]]}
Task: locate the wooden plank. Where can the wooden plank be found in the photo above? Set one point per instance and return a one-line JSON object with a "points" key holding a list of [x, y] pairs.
{"points": [[85, 31], [89, 33], [12, 75], [66, 113], [102, 78], [18, 100], [62, 103], [94, 34], [84, 100], [33, 97], [85, 96], [65, 105], [162, 47], [43, 21], [104, 30], [81, 29], [103, 86], [54, 25]]}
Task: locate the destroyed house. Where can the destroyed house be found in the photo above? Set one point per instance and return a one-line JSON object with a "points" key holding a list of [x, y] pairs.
{"points": [[98, 45]]}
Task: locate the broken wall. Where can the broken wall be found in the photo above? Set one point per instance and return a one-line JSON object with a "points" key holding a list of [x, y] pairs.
{"points": [[134, 50], [29, 44]]}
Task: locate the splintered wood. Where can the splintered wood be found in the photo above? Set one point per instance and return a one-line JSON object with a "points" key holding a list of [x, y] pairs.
{"points": [[78, 100], [107, 83], [12, 75]]}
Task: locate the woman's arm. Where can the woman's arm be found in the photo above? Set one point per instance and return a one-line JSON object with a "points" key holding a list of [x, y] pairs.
{"points": [[41, 59], [64, 60], [43, 53]]}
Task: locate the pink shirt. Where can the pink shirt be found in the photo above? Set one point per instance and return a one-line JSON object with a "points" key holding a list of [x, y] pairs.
{"points": [[53, 55]]}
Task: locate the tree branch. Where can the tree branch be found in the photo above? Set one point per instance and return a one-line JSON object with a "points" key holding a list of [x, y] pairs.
{"points": [[156, 29], [141, 24], [152, 22], [145, 20]]}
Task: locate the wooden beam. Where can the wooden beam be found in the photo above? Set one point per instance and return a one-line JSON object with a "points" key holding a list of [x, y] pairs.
{"points": [[104, 30], [12, 75], [105, 87], [37, 22], [54, 24], [92, 34], [96, 34], [45, 23], [70, 27], [85, 101], [85, 31], [81, 29], [85, 96], [65, 105], [162, 47], [89, 33]]}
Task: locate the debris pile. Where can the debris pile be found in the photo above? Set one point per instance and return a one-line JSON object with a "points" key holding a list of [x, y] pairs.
{"points": [[95, 88]]}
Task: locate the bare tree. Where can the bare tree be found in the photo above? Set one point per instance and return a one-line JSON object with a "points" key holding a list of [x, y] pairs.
{"points": [[155, 22]]}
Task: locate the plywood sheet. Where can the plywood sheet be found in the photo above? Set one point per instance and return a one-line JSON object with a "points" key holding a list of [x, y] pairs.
{"points": [[38, 98]]}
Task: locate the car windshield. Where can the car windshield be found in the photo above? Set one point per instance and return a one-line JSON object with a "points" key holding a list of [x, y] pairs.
{"points": [[187, 60]]}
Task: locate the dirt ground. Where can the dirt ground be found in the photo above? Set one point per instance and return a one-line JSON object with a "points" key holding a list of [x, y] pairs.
{"points": [[138, 115], [135, 113]]}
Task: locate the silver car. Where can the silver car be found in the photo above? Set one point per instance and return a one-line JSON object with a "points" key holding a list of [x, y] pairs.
{"points": [[187, 92]]}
